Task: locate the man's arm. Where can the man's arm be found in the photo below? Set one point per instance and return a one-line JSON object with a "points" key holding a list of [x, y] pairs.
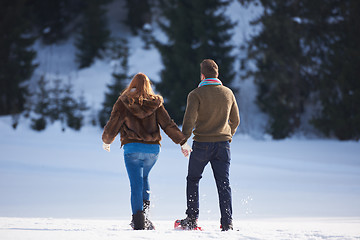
{"points": [[234, 118], [191, 114]]}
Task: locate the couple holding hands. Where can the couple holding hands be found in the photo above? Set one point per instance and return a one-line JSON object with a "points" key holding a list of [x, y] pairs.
{"points": [[211, 114]]}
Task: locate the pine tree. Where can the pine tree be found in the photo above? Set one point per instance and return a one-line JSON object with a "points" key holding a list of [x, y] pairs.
{"points": [[72, 109], [94, 33], [16, 56], [40, 107], [53, 20], [147, 36], [120, 55], [338, 84], [139, 13], [282, 73], [196, 30], [54, 103]]}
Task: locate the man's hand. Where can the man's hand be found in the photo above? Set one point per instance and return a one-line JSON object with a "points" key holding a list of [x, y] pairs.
{"points": [[186, 149], [106, 147]]}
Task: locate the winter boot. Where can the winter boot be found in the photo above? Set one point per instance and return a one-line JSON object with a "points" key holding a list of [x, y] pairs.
{"points": [[189, 223], [146, 207], [148, 224], [138, 220], [226, 226]]}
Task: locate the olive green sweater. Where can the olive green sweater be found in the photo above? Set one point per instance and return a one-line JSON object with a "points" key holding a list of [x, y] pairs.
{"points": [[212, 113]]}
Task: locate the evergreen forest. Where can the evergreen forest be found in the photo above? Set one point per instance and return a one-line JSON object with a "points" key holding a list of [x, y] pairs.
{"points": [[304, 59]]}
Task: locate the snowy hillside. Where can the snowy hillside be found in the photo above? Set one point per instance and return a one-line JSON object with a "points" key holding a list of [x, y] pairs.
{"points": [[58, 61]]}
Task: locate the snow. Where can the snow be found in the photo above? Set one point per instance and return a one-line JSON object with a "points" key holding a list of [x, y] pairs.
{"points": [[45, 228], [62, 185]]}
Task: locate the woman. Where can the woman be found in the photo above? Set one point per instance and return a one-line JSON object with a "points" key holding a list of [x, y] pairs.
{"points": [[137, 115]]}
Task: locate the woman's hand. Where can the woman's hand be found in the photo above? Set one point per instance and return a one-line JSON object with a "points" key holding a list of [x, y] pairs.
{"points": [[106, 147], [186, 149]]}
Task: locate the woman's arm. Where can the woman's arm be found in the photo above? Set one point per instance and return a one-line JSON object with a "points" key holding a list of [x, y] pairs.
{"points": [[169, 126], [115, 122]]}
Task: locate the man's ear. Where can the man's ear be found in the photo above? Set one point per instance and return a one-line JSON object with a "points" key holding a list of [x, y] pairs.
{"points": [[202, 77]]}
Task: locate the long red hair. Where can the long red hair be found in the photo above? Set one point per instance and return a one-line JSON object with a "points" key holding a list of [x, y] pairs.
{"points": [[140, 89]]}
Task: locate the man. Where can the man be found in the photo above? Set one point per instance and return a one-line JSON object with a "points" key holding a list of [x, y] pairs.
{"points": [[213, 112]]}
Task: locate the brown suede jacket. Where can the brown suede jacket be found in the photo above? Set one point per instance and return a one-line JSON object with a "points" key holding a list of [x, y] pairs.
{"points": [[140, 123]]}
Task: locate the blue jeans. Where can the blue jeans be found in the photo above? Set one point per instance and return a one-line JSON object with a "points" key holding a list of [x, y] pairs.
{"points": [[218, 154], [138, 165]]}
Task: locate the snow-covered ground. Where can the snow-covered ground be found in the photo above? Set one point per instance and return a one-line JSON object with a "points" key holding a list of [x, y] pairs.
{"points": [[291, 189], [80, 229]]}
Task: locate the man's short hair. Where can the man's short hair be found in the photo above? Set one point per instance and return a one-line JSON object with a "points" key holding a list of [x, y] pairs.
{"points": [[209, 68]]}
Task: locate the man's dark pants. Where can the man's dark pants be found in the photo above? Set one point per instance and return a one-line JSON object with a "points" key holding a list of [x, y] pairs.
{"points": [[218, 154]]}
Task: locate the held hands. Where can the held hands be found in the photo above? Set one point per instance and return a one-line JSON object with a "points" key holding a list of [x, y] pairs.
{"points": [[186, 149], [106, 147]]}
